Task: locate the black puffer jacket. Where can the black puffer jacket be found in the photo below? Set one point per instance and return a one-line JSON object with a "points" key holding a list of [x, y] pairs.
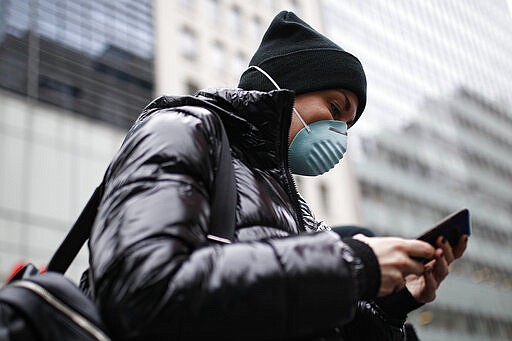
{"points": [[155, 277]]}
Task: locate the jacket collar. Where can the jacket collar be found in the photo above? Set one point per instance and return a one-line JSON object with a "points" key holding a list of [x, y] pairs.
{"points": [[256, 122]]}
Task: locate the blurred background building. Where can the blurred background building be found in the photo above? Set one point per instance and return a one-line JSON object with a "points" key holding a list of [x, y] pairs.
{"points": [[435, 137], [73, 76]]}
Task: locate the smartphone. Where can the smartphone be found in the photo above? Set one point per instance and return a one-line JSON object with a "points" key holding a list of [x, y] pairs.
{"points": [[451, 227]]}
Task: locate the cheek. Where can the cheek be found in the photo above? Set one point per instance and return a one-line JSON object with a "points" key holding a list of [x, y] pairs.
{"points": [[317, 111], [295, 127], [325, 114]]}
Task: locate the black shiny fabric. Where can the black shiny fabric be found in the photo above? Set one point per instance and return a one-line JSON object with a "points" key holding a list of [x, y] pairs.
{"points": [[152, 272]]}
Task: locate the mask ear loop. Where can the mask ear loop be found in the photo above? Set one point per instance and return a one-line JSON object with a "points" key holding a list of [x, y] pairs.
{"points": [[308, 129]]}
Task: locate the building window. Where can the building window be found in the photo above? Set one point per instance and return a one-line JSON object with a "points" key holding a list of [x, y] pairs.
{"points": [[256, 28], [324, 196], [235, 19], [294, 6], [54, 90], [213, 10], [187, 4], [89, 57], [218, 56], [188, 43], [271, 4], [191, 87], [240, 64]]}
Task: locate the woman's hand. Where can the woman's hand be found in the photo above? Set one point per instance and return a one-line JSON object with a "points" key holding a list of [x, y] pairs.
{"points": [[394, 256], [423, 287]]}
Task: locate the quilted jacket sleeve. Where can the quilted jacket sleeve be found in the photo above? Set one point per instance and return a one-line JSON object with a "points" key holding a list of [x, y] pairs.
{"points": [[382, 318], [155, 278]]}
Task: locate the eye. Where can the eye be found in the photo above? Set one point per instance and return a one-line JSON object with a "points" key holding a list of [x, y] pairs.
{"points": [[336, 111]]}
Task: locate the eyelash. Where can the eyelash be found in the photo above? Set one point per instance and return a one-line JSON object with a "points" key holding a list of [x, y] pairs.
{"points": [[335, 111]]}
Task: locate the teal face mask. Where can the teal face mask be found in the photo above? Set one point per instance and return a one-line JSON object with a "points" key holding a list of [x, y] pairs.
{"points": [[317, 147]]}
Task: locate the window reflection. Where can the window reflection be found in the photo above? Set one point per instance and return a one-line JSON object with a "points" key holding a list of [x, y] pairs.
{"points": [[94, 58], [188, 43]]}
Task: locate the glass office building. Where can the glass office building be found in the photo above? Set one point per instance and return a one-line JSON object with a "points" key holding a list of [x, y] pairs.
{"points": [[435, 137], [73, 76], [91, 57]]}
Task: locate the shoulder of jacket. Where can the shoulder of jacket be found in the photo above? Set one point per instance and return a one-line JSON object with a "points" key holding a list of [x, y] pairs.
{"points": [[200, 112], [166, 105]]}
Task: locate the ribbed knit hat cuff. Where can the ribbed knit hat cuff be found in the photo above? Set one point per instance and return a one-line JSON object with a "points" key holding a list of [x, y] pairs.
{"points": [[310, 70]]}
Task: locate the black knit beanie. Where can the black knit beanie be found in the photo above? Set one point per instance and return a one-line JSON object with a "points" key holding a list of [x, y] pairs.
{"points": [[301, 59]]}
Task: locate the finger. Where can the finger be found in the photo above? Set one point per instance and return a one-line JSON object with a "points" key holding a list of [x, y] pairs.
{"points": [[418, 248], [461, 246], [430, 264], [430, 285], [443, 243], [408, 266], [440, 267]]}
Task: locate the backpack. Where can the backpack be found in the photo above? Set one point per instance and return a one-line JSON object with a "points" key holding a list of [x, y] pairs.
{"points": [[49, 306]]}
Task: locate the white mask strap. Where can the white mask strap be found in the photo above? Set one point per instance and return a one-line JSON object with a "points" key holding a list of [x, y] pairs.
{"points": [[308, 129], [266, 75]]}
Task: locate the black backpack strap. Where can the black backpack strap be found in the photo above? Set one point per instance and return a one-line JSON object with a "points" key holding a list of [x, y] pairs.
{"points": [[77, 236], [222, 220], [223, 204]]}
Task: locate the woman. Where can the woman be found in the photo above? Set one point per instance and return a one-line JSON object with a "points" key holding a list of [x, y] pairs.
{"points": [[155, 276]]}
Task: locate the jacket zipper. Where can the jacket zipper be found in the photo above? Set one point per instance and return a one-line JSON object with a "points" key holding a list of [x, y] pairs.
{"points": [[292, 186], [295, 199], [64, 309]]}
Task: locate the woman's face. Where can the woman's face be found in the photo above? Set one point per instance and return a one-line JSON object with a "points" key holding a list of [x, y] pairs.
{"points": [[333, 104]]}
